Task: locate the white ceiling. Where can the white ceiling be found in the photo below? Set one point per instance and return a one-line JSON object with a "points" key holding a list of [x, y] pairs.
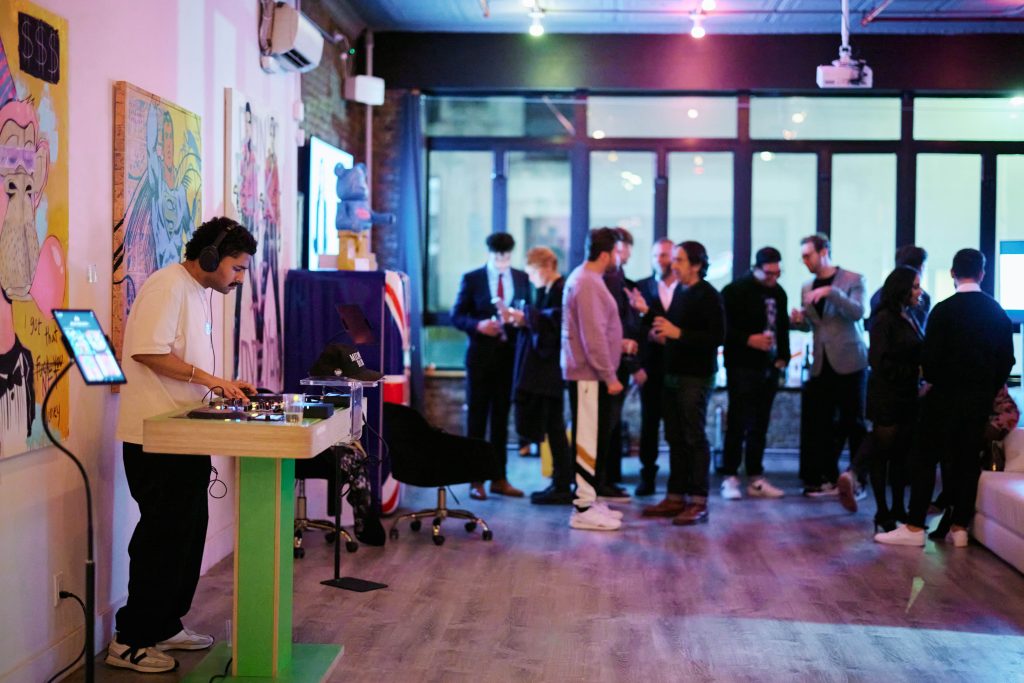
{"points": [[672, 16]]}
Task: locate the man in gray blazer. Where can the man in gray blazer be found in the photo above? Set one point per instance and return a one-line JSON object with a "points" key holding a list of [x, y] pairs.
{"points": [[833, 309]]}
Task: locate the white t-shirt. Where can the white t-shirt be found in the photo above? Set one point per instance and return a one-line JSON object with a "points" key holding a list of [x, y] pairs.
{"points": [[171, 314]]}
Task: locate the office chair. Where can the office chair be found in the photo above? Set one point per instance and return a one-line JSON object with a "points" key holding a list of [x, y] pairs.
{"points": [[323, 466], [422, 455]]}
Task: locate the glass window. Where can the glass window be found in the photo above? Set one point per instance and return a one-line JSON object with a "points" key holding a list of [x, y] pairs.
{"points": [[864, 215], [825, 118], [661, 117], [1009, 220], [498, 116], [948, 214], [784, 211], [444, 347], [969, 118], [700, 207], [458, 221], [622, 194], [539, 200]]}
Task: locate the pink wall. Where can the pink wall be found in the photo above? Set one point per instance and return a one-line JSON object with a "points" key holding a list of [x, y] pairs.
{"points": [[187, 51]]}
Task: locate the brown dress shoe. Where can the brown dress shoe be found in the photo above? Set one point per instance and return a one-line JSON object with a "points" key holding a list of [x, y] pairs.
{"points": [[503, 488], [476, 491], [693, 513], [668, 507]]}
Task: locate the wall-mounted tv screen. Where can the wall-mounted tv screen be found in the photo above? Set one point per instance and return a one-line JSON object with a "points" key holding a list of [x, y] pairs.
{"points": [[1011, 278], [319, 159]]}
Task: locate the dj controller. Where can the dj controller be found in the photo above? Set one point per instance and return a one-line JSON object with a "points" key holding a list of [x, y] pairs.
{"points": [[267, 408]]}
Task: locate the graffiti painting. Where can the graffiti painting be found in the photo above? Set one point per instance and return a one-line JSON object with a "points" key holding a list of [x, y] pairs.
{"points": [[33, 222], [157, 192], [253, 189]]}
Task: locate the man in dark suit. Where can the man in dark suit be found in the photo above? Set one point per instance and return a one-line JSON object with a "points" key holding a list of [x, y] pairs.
{"points": [[966, 358], [658, 292], [481, 310], [537, 379]]}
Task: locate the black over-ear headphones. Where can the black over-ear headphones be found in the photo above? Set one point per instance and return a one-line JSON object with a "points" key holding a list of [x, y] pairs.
{"points": [[209, 256]]}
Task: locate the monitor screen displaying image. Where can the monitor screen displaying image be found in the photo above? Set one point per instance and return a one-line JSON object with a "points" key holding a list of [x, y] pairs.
{"points": [[1011, 278], [84, 339], [322, 198]]}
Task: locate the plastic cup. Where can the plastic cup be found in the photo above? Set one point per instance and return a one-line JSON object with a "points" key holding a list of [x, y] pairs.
{"points": [[293, 405]]}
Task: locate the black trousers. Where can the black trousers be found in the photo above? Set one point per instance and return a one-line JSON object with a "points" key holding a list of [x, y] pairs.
{"points": [[489, 401], [650, 422], [751, 394], [166, 550], [833, 408], [685, 401], [887, 451], [538, 416], [950, 431]]}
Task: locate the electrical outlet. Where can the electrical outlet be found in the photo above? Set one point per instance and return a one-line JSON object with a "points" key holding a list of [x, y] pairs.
{"points": [[58, 586]]}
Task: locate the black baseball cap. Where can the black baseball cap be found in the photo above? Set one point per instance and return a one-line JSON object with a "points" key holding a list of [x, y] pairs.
{"points": [[340, 360]]}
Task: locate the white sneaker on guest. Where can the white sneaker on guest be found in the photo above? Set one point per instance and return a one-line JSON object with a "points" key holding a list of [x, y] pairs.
{"points": [[147, 660], [731, 488], [605, 510], [901, 535], [185, 639], [762, 488], [592, 519]]}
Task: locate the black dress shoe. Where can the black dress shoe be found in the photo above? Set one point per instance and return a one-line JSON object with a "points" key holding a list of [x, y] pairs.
{"points": [[644, 488], [613, 493], [552, 496]]}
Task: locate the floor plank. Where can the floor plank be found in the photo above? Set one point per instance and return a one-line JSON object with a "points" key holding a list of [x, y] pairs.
{"points": [[786, 590]]}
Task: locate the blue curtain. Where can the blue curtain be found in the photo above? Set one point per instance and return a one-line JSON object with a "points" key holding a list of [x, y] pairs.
{"points": [[413, 230]]}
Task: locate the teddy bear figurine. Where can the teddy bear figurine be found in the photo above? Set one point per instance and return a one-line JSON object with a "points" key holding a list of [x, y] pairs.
{"points": [[355, 219]]}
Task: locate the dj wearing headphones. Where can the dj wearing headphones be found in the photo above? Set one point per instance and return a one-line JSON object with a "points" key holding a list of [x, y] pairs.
{"points": [[169, 362]]}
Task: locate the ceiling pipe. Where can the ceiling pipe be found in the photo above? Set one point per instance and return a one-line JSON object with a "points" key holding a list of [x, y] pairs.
{"points": [[485, 9], [873, 14]]}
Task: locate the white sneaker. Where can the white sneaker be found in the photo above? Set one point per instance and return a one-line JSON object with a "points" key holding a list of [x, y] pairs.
{"points": [[731, 488], [901, 535], [185, 640], [605, 510], [762, 488], [593, 520], [958, 537], [147, 660]]}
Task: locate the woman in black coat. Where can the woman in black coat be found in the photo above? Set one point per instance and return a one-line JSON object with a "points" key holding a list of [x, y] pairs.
{"points": [[893, 387]]}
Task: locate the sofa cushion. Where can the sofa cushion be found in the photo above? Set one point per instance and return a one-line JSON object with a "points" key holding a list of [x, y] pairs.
{"points": [[1014, 447], [1001, 497]]}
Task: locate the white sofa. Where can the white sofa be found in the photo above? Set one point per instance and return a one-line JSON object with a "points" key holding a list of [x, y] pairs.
{"points": [[999, 516]]}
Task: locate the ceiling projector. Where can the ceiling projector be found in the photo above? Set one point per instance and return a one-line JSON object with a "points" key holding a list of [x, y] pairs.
{"points": [[844, 72]]}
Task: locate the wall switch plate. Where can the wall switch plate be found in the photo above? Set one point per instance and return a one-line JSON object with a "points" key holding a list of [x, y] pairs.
{"points": [[58, 586]]}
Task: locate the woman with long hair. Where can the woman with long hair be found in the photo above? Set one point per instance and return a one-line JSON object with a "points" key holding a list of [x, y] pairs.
{"points": [[893, 387]]}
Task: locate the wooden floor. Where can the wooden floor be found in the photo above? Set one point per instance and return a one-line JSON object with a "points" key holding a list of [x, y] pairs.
{"points": [[787, 590]]}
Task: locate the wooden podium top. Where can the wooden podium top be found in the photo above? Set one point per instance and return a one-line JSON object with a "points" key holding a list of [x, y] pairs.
{"points": [[174, 432]]}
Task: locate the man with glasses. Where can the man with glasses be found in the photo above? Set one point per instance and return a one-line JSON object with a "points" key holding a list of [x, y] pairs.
{"points": [[756, 353]]}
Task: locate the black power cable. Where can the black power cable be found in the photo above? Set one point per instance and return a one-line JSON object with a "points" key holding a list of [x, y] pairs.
{"points": [[62, 595], [90, 564]]}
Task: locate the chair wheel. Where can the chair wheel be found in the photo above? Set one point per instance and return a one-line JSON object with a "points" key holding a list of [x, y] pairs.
{"points": [[488, 535], [415, 525], [351, 546], [298, 553], [437, 521], [330, 536], [393, 534], [470, 527], [439, 540]]}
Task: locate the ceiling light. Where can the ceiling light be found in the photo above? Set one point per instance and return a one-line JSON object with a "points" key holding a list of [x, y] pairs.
{"points": [[693, 113], [597, 135], [536, 28], [698, 25], [698, 160], [798, 117], [708, 5], [767, 156]]}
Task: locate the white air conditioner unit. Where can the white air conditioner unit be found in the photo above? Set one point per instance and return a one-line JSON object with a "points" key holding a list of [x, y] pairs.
{"points": [[295, 42]]}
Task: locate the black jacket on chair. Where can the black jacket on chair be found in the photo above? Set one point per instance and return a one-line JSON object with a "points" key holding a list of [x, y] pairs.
{"points": [[422, 455]]}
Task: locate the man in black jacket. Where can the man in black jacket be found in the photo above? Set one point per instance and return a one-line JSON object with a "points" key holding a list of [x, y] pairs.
{"points": [[756, 352], [537, 378], [485, 295], [659, 291], [966, 358], [691, 360]]}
